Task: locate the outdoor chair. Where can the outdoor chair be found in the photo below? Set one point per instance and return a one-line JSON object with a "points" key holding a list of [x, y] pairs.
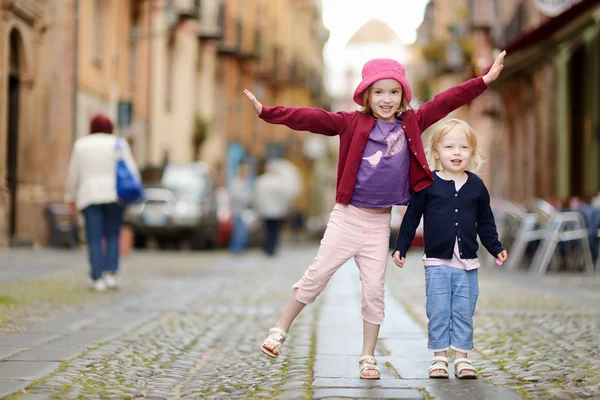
{"points": [[520, 228], [565, 229], [62, 225]]}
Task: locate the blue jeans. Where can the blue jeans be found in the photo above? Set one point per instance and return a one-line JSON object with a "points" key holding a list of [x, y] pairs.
{"points": [[451, 298], [103, 221], [272, 234], [239, 235]]}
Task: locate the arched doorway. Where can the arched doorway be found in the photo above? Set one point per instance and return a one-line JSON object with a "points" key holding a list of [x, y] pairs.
{"points": [[15, 62]]}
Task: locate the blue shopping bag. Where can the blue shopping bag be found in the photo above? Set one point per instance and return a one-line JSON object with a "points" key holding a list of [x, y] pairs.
{"points": [[129, 187]]}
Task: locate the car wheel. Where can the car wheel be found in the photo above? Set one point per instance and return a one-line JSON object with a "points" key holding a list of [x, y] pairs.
{"points": [[140, 241]]}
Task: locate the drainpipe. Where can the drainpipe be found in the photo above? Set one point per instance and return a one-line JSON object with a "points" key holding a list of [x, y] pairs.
{"points": [[75, 65], [149, 100]]}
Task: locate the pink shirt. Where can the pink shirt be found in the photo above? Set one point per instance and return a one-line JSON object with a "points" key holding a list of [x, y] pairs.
{"points": [[455, 262]]}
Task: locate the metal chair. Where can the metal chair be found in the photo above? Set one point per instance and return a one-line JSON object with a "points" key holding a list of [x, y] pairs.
{"points": [[559, 227], [526, 229]]}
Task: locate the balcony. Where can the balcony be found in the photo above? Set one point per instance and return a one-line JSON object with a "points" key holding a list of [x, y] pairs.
{"points": [[181, 10], [517, 25], [314, 84], [212, 19], [448, 56], [228, 47], [297, 73]]}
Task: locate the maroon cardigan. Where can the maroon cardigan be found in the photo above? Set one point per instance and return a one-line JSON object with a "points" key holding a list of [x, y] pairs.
{"points": [[354, 129]]}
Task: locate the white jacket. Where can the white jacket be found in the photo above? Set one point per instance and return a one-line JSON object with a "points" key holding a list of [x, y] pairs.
{"points": [[92, 170], [271, 199]]}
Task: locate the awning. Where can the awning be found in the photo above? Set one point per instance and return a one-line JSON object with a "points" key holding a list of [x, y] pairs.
{"points": [[537, 46]]}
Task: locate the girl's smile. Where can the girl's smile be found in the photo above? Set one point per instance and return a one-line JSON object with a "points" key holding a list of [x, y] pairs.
{"points": [[385, 97], [454, 151]]}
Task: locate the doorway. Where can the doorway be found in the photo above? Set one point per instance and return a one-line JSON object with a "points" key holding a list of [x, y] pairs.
{"points": [[12, 153], [577, 84]]}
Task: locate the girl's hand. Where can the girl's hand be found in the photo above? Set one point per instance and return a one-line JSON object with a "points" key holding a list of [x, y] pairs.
{"points": [[255, 103], [495, 70], [502, 256], [398, 260]]}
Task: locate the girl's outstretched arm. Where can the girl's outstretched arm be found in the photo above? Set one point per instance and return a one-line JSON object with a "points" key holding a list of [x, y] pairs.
{"points": [[495, 69], [449, 100], [309, 119], [255, 103]]}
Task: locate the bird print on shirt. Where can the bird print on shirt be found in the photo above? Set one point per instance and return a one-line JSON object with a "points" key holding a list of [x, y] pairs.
{"points": [[374, 159], [395, 141]]}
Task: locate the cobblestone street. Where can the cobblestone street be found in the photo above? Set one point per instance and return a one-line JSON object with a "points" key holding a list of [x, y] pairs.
{"points": [[189, 325]]}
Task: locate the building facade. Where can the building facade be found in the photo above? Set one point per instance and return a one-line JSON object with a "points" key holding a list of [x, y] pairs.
{"points": [[538, 125], [37, 85], [170, 73]]}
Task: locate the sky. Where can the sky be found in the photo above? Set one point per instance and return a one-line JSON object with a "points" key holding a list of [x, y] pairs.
{"points": [[344, 17]]}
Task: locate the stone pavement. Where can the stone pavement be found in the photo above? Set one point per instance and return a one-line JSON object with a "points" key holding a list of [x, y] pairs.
{"points": [[23, 264], [188, 325]]}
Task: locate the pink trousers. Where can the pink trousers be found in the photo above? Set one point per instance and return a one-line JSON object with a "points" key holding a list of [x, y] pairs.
{"points": [[351, 232]]}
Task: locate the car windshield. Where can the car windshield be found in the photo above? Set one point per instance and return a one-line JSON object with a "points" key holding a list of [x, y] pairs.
{"points": [[185, 178]]}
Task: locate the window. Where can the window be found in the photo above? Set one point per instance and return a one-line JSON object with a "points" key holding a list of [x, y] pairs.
{"points": [[98, 28]]}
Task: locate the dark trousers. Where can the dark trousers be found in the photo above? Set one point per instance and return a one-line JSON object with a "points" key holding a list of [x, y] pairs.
{"points": [[272, 233], [103, 221]]}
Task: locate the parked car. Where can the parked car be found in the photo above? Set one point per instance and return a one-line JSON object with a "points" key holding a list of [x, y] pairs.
{"points": [[183, 207]]}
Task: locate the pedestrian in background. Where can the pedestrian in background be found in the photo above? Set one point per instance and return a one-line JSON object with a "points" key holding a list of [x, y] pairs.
{"points": [[455, 210], [273, 202], [92, 190], [381, 159], [240, 193]]}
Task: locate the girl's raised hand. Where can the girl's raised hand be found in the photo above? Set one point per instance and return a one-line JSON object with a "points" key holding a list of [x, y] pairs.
{"points": [[495, 70], [255, 103], [398, 260]]}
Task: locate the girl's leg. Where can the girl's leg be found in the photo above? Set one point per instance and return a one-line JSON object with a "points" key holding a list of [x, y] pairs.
{"points": [[337, 247], [372, 262], [290, 312], [438, 288], [464, 300], [370, 335]]}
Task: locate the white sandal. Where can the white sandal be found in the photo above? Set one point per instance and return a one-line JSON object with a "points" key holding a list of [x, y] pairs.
{"points": [[275, 338], [439, 362], [368, 363], [464, 364]]}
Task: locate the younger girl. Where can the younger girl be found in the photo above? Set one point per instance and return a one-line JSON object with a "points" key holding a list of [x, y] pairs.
{"points": [[379, 145], [455, 209]]}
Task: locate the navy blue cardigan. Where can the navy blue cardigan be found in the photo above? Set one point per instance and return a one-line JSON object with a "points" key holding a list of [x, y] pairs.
{"points": [[448, 215]]}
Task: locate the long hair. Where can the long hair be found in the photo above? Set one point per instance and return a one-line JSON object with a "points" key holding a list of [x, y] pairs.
{"points": [[367, 110], [100, 123], [441, 131]]}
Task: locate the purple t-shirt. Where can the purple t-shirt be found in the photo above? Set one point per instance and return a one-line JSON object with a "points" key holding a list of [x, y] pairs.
{"points": [[382, 179]]}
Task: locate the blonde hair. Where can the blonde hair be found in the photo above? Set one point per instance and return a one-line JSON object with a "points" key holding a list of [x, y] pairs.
{"points": [[366, 107], [442, 130]]}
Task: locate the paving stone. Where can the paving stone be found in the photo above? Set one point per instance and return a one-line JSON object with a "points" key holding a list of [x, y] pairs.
{"points": [[24, 340], [8, 387], [62, 325], [47, 354], [87, 338], [6, 352], [373, 393], [26, 370]]}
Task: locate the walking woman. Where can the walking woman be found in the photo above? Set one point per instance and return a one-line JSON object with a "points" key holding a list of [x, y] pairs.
{"points": [[91, 190]]}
